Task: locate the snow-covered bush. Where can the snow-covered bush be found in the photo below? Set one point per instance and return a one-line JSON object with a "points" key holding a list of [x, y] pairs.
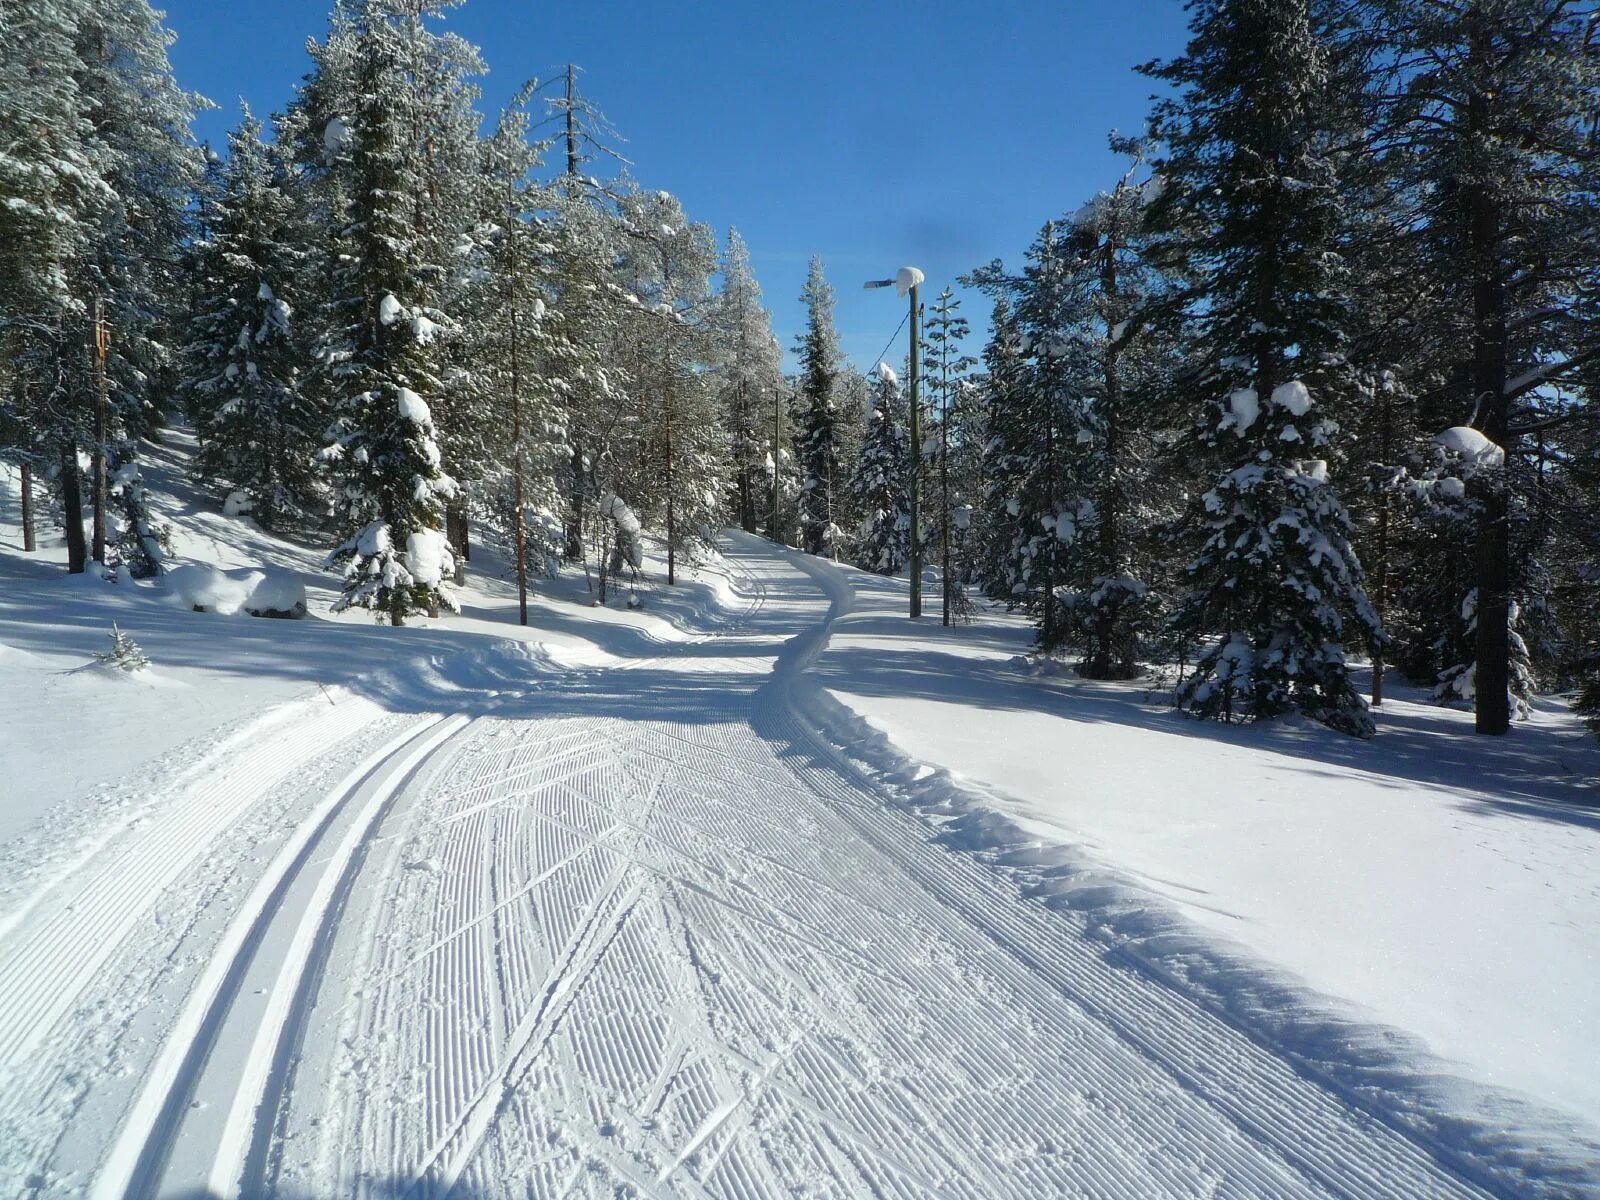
{"points": [[125, 654]]}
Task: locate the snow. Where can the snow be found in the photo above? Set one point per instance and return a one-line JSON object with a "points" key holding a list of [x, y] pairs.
{"points": [[390, 310], [336, 136], [1292, 396], [907, 278], [603, 898], [427, 556], [1471, 445], [1420, 900], [199, 586], [423, 329], [237, 504], [886, 373], [412, 406], [1244, 406]]}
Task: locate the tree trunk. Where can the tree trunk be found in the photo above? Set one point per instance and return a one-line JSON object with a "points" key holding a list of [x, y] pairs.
{"points": [[1493, 653], [27, 508], [72, 513], [97, 477], [574, 529], [456, 531]]}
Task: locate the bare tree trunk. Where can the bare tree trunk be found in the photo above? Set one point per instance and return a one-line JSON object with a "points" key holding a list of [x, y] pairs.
{"points": [[72, 513], [27, 508], [102, 343], [1493, 653]]}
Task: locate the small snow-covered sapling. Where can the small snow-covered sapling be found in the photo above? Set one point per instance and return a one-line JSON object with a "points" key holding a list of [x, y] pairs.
{"points": [[124, 654]]}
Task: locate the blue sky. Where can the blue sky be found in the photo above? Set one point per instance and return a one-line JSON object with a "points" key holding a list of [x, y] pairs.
{"points": [[876, 133]]}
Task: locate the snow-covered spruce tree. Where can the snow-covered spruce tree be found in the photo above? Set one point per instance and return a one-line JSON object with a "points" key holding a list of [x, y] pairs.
{"points": [[948, 441], [1111, 608], [1249, 201], [1005, 438], [522, 353], [674, 473], [749, 380], [258, 427], [95, 177], [1033, 442], [50, 195], [1486, 116], [390, 488], [816, 404], [878, 487]]}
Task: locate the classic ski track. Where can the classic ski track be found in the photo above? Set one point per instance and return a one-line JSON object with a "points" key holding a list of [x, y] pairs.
{"points": [[588, 989], [143, 1142], [704, 955], [47, 962]]}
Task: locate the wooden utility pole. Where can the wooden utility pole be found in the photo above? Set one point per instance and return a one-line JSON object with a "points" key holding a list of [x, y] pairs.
{"points": [[774, 528], [916, 462], [102, 346]]}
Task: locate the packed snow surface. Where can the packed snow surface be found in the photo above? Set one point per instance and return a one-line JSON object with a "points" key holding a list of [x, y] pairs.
{"points": [[1427, 881], [594, 909]]}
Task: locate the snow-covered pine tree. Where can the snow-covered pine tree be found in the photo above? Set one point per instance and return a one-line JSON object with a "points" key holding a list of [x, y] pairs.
{"points": [[816, 404], [1033, 442], [95, 177], [1486, 118], [51, 193], [1112, 609], [522, 353], [258, 427], [390, 490], [749, 378], [1005, 438], [948, 438], [1249, 201], [878, 487], [676, 477]]}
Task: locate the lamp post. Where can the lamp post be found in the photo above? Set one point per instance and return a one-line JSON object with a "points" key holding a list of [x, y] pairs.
{"points": [[906, 281]]}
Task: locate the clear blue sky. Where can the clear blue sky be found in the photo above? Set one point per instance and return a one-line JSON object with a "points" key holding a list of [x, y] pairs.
{"points": [[876, 133]]}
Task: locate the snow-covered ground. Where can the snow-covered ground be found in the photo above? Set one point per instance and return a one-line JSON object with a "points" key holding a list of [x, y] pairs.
{"points": [[1416, 913], [322, 908]]}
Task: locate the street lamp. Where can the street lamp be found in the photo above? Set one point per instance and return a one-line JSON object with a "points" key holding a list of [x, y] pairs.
{"points": [[906, 281]]}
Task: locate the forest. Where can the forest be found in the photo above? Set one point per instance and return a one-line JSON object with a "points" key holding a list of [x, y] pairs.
{"points": [[1308, 385]]}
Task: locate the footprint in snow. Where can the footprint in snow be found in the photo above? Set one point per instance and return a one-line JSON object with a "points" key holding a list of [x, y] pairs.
{"points": [[430, 866]]}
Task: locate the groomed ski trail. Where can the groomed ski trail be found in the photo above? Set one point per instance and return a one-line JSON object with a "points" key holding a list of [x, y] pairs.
{"points": [[641, 932]]}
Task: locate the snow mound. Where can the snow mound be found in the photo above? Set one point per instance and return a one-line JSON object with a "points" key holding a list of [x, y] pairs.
{"points": [[907, 278], [412, 407], [276, 594], [261, 593], [1244, 407], [206, 589], [389, 309], [427, 556], [1471, 445], [237, 504], [1293, 396]]}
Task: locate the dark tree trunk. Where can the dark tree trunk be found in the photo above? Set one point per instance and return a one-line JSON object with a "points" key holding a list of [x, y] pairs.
{"points": [[456, 531], [1493, 654], [747, 500], [27, 508], [574, 529], [72, 513]]}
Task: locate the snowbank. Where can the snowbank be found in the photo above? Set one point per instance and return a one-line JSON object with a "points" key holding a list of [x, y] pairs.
{"points": [[257, 592], [1409, 915]]}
